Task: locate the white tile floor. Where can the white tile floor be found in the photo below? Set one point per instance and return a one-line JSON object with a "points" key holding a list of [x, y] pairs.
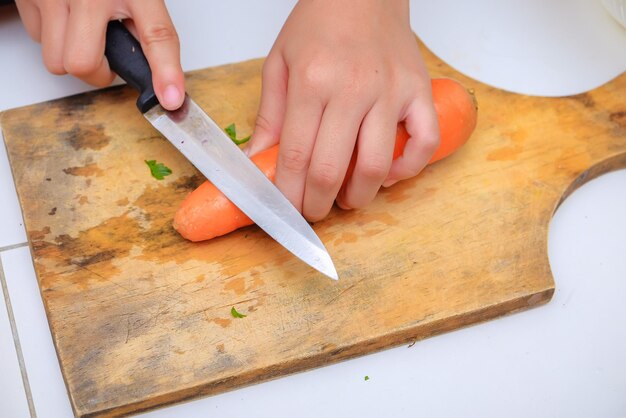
{"points": [[11, 382], [42, 368]]}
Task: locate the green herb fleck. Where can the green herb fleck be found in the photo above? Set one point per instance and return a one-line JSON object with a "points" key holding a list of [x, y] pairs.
{"points": [[236, 314], [367, 378], [158, 170], [231, 131]]}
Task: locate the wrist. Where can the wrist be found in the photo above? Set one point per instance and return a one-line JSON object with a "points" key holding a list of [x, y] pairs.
{"points": [[354, 9]]}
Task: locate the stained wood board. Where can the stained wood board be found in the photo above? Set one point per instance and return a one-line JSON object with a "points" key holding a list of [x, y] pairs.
{"points": [[141, 318]]}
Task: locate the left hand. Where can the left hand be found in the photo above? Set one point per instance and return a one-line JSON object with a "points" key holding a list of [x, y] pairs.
{"points": [[340, 76]]}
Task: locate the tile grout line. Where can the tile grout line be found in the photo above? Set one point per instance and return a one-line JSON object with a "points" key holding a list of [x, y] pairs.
{"points": [[16, 339], [14, 246]]}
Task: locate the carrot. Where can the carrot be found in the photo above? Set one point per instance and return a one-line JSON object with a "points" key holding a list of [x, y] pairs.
{"points": [[206, 213], [457, 112]]}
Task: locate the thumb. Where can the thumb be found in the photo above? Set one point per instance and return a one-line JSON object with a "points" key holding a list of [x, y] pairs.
{"points": [[271, 114]]}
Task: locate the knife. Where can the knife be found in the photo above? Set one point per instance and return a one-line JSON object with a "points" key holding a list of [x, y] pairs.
{"points": [[212, 152]]}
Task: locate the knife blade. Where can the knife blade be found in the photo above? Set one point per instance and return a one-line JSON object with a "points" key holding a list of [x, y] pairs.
{"points": [[215, 155]]}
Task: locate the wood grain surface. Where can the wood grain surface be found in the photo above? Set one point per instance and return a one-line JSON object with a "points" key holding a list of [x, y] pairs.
{"points": [[141, 318]]}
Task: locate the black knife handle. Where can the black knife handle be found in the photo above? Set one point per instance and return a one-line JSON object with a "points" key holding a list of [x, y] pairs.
{"points": [[127, 59]]}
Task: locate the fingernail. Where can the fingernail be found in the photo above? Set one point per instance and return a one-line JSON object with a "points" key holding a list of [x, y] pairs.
{"points": [[171, 97], [389, 182], [250, 148], [342, 206]]}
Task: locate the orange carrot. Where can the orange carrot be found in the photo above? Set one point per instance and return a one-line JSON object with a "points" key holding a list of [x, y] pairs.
{"points": [[206, 213], [457, 112]]}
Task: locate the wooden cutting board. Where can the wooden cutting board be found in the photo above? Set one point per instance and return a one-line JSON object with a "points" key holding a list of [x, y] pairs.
{"points": [[141, 318]]}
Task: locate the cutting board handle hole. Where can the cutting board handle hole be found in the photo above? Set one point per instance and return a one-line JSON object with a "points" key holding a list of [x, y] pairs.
{"points": [[613, 163]]}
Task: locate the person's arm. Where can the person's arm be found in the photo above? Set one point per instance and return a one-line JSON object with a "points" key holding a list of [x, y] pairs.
{"points": [[72, 36], [340, 77]]}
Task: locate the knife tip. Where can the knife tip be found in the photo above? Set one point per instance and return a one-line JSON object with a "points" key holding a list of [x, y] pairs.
{"points": [[331, 272]]}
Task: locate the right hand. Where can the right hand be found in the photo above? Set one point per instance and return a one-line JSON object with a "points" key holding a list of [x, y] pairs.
{"points": [[73, 32]]}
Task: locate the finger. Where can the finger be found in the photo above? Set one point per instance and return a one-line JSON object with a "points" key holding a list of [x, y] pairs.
{"points": [[375, 153], [423, 128], [31, 18], [302, 120], [160, 44], [84, 43], [334, 146], [271, 114], [53, 35], [130, 25]]}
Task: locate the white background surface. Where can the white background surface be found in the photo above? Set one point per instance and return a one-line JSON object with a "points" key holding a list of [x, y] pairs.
{"points": [[567, 358], [549, 48]]}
